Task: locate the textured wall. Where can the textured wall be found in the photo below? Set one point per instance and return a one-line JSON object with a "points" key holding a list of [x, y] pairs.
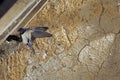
{"points": [[84, 46]]}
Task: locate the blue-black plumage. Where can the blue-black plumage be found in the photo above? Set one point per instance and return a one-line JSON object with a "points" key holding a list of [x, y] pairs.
{"points": [[28, 35]]}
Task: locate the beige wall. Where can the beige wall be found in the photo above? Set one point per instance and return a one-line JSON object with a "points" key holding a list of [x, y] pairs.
{"points": [[84, 46]]}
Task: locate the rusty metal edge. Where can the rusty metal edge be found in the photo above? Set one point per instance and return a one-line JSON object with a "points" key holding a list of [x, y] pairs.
{"points": [[23, 19]]}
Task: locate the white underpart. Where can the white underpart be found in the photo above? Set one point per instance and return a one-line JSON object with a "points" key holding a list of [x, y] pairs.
{"points": [[26, 36]]}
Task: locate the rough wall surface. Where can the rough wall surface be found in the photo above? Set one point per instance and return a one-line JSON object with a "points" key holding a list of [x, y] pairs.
{"points": [[85, 44]]}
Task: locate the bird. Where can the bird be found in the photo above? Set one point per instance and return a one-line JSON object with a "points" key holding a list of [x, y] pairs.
{"points": [[28, 35]]}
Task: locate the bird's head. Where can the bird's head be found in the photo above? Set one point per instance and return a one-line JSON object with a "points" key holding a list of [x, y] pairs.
{"points": [[21, 30]]}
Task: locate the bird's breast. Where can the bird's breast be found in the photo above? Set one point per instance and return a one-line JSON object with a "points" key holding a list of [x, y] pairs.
{"points": [[26, 36]]}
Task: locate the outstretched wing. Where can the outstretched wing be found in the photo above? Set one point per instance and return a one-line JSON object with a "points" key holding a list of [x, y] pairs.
{"points": [[42, 29], [38, 34]]}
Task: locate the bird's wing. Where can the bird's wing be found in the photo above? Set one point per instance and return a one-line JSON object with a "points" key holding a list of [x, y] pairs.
{"points": [[38, 34], [30, 46], [42, 29]]}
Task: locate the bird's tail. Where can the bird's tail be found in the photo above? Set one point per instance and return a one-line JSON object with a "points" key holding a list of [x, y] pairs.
{"points": [[30, 46]]}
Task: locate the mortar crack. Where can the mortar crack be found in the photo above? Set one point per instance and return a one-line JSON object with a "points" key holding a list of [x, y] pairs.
{"points": [[102, 11], [83, 48], [67, 36]]}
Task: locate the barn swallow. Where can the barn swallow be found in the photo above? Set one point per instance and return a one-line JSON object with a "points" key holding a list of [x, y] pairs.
{"points": [[28, 35]]}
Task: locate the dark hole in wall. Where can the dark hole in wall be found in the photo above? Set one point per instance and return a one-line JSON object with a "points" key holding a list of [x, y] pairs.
{"points": [[5, 5]]}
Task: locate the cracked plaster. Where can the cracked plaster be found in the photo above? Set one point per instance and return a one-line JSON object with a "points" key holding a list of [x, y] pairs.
{"points": [[85, 43]]}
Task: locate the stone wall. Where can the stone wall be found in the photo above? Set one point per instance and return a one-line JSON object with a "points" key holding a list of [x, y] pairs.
{"points": [[84, 45]]}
